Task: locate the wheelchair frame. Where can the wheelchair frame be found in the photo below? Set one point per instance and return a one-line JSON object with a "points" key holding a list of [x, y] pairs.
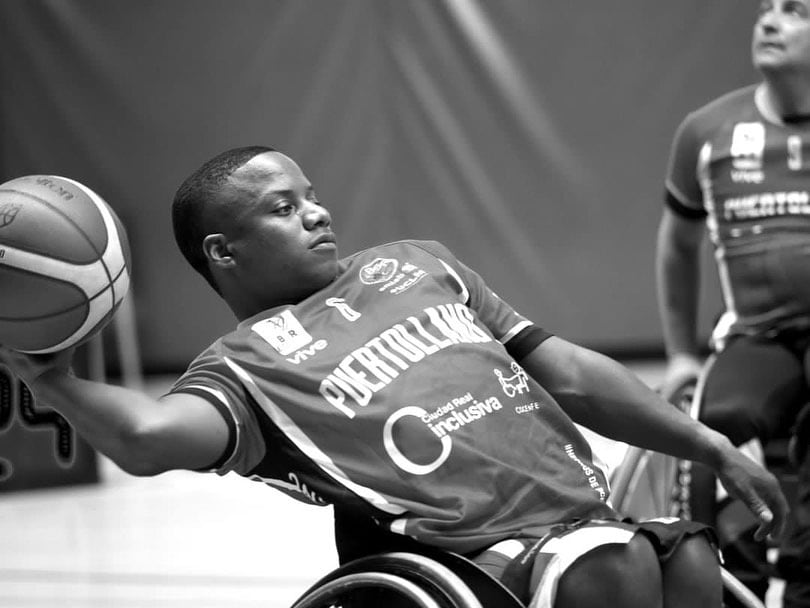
{"points": [[665, 479]]}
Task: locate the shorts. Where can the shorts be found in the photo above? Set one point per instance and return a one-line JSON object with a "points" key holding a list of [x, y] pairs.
{"points": [[515, 562]]}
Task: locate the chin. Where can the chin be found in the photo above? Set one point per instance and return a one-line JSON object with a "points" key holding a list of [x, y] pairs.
{"points": [[324, 277], [765, 60]]}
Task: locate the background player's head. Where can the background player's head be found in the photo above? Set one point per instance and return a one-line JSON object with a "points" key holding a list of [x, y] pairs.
{"points": [[248, 220], [781, 37]]}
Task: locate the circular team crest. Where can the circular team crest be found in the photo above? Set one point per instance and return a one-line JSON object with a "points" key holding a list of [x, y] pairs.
{"points": [[378, 271]]}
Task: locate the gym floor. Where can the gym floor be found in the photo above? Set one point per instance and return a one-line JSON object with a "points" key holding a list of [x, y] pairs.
{"points": [[178, 540]]}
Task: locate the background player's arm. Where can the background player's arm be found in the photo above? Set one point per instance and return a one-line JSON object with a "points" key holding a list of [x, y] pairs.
{"points": [[605, 396], [142, 435], [677, 268]]}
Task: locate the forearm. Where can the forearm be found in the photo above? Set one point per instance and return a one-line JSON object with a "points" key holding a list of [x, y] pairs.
{"points": [[615, 403], [115, 420], [605, 396], [678, 308], [678, 281]]}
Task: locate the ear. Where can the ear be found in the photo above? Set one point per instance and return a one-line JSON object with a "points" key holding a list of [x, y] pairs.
{"points": [[217, 250]]}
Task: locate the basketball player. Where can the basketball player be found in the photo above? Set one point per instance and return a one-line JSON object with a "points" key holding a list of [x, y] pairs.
{"points": [[395, 385], [741, 167]]}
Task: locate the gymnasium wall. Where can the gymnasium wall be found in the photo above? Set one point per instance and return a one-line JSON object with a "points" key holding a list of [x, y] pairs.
{"points": [[530, 137]]}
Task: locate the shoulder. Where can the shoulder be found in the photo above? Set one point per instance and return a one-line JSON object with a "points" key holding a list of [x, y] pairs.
{"points": [[216, 354], [739, 99], [411, 247], [735, 105]]}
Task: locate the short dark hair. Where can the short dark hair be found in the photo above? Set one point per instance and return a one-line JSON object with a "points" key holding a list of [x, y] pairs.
{"points": [[197, 194]]}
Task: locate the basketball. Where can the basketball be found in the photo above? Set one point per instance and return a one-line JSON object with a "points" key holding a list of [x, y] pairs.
{"points": [[64, 263]]}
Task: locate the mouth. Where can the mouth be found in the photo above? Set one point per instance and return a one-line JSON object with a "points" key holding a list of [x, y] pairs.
{"points": [[766, 45], [324, 241]]}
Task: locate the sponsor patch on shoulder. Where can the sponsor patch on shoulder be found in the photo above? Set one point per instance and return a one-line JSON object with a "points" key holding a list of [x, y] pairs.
{"points": [[391, 275], [283, 332], [378, 271]]}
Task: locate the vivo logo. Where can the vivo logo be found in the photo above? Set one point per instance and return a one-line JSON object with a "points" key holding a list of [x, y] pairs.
{"points": [[309, 351], [747, 177]]}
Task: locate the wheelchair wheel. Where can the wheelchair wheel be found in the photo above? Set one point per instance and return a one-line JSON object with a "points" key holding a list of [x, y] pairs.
{"points": [[366, 589], [650, 484], [391, 580]]}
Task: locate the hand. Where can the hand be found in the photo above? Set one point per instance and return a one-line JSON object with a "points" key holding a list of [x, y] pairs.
{"points": [[758, 489], [29, 368], [681, 370]]}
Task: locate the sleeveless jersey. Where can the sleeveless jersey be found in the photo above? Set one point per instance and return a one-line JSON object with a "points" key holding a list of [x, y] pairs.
{"points": [[750, 173], [391, 391]]}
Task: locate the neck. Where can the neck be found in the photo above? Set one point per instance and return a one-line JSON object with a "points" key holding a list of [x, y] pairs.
{"points": [[242, 311], [244, 307], [788, 95]]}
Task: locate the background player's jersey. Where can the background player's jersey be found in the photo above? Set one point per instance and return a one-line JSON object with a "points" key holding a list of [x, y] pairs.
{"points": [[751, 175], [391, 391]]}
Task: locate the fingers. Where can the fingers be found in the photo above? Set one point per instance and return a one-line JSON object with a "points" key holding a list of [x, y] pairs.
{"points": [[772, 517], [765, 517], [760, 491], [28, 367]]}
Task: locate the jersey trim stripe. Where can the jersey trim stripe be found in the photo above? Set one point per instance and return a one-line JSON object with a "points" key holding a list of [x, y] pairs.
{"points": [[220, 402], [307, 446], [566, 550], [671, 189], [465, 293], [515, 331], [684, 211], [705, 178]]}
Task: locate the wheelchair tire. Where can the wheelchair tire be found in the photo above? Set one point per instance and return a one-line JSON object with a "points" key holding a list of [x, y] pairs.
{"points": [[339, 590], [441, 584]]}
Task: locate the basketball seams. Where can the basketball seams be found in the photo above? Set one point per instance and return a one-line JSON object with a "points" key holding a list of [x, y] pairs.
{"points": [[114, 244], [65, 217], [84, 275], [110, 229], [50, 315], [96, 316], [56, 272], [113, 240], [88, 327]]}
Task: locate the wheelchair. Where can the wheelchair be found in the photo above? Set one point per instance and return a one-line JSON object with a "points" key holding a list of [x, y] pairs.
{"points": [[649, 484], [428, 579], [646, 484]]}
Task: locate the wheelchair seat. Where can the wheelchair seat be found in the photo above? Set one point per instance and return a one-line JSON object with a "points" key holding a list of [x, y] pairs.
{"points": [[429, 579]]}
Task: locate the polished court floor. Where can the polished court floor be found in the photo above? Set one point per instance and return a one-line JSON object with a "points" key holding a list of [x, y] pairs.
{"points": [[179, 540]]}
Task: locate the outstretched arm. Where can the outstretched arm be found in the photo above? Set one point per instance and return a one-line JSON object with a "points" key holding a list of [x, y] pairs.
{"points": [[603, 395], [142, 435]]}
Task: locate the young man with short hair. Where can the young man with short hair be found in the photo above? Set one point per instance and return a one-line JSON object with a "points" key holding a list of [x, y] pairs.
{"points": [[395, 385]]}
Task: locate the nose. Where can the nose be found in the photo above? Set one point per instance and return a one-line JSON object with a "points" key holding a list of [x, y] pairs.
{"points": [[314, 215], [768, 21]]}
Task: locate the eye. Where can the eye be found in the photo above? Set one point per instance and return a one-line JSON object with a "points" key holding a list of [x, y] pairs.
{"points": [[791, 8], [284, 208], [796, 9]]}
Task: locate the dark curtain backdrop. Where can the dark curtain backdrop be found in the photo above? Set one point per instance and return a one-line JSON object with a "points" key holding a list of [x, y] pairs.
{"points": [[529, 136]]}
